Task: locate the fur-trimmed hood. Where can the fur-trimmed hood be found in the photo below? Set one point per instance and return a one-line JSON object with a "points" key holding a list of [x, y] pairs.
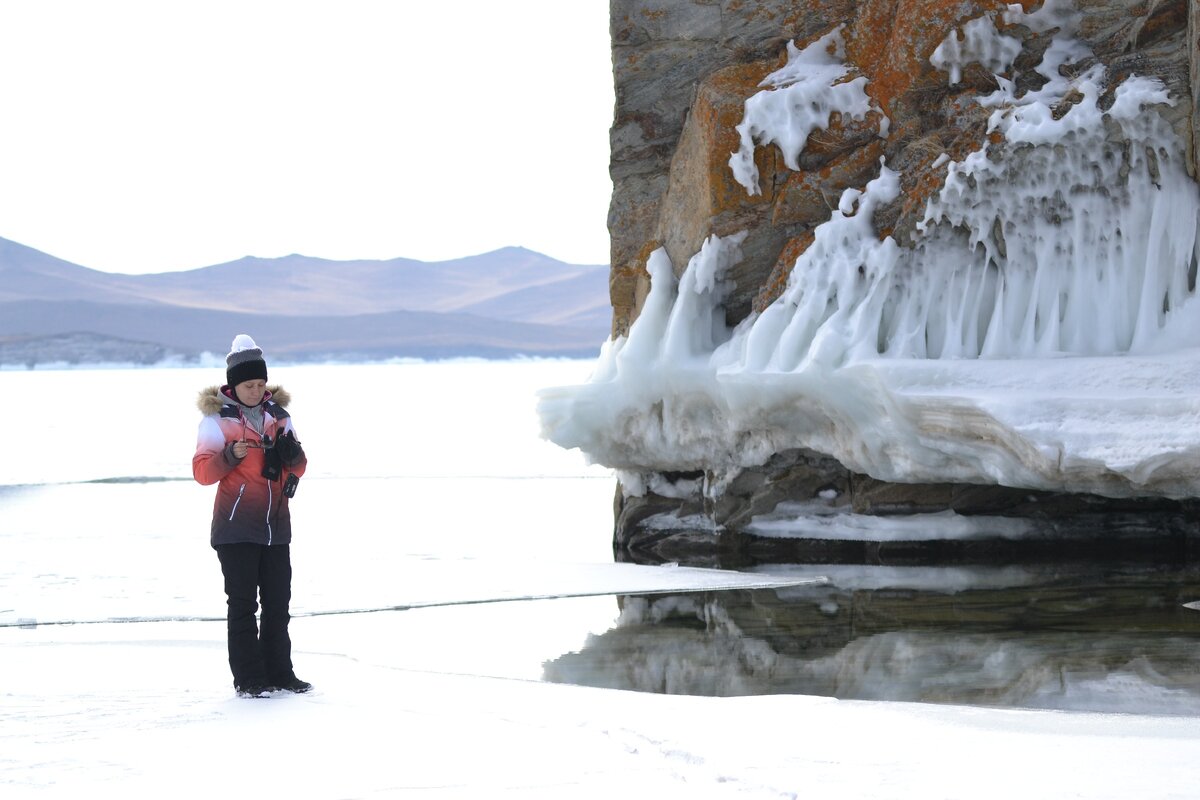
{"points": [[210, 399]]}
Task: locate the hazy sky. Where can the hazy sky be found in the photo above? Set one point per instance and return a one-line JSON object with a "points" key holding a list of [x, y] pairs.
{"points": [[146, 136]]}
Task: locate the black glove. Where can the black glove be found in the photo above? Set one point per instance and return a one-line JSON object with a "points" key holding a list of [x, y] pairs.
{"points": [[288, 448]]}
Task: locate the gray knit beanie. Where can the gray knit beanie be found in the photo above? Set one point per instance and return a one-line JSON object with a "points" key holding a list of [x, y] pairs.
{"points": [[244, 362]]}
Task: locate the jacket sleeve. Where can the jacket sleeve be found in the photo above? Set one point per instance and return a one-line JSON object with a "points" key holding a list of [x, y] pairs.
{"points": [[299, 463], [210, 464]]}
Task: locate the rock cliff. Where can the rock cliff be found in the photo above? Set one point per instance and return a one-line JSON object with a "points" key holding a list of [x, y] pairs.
{"points": [[718, 147], [685, 68]]}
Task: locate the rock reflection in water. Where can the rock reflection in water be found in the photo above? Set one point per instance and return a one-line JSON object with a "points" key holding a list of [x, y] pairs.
{"points": [[1099, 638]]}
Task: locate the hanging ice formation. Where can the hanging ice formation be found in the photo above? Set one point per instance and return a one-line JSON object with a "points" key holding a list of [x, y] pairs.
{"points": [[1072, 233]]}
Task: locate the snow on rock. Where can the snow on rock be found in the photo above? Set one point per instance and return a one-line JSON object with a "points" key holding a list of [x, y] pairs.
{"points": [[799, 99], [980, 43], [1039, 332]]}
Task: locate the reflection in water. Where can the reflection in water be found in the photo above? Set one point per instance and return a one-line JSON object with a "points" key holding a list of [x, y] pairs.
{"points": [[1098, 637]]}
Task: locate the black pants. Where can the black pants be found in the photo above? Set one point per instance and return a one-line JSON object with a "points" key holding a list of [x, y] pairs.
{"points": [[258, 657]]}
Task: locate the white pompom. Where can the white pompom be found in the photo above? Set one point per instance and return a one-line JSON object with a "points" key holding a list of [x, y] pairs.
{"points": [[242, 342]]}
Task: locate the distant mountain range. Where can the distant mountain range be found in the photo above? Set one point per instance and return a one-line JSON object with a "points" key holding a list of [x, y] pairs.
{"points": [[500, 304]]}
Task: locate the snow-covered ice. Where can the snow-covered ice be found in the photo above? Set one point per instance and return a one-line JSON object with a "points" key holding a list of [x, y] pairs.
{"points": [[141, 718], [444, 701]]}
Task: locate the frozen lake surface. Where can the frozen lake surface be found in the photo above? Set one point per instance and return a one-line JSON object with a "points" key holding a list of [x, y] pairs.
{"points": [[429, 490]]}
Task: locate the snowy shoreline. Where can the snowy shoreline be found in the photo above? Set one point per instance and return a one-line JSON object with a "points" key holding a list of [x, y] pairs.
{"points": [[370, 730]]}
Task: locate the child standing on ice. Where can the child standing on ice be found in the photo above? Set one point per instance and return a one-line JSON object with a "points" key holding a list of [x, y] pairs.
{"points": [[247, 446]]}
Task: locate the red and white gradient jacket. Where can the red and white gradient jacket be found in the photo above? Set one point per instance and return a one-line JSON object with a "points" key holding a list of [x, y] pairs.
{"points": [[248, 507]]}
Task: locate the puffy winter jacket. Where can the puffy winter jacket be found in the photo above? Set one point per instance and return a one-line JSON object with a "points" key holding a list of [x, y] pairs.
{"points": [[248, 507]]}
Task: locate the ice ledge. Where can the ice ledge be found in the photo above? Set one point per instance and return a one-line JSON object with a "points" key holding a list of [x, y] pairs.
{"points": [[1114, 426]]}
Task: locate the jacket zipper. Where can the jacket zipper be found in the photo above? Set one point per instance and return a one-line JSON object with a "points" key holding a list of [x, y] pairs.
{"points": [[233, 510], [270, 502], [270, 492]]}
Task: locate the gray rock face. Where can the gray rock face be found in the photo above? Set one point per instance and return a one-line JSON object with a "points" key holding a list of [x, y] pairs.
{"points": [[804, 494], [1193, 48], [662, 52], [683, 70]]}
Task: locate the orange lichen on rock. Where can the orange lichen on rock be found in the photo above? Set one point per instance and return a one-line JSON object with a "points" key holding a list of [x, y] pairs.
{"points": [[892, 40], [628, 285], [702, 196], [777, 281], [718, 110]]}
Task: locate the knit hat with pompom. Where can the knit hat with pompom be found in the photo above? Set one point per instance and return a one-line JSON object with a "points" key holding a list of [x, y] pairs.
{"points": [[244, 362]]}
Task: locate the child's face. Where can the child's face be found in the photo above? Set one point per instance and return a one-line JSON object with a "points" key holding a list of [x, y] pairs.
{"points": [[250, 393]]}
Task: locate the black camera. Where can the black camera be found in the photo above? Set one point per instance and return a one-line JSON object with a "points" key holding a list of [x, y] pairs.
{"points": [[289, 486], [272, 466]]}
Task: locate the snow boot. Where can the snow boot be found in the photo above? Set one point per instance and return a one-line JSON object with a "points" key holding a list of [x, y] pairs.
{"points": [[294, 685]]}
